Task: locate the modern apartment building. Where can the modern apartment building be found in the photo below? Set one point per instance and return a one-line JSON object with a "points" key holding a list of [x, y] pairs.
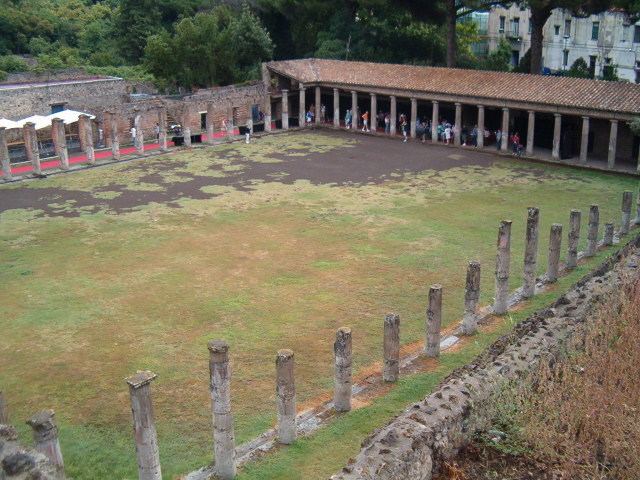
{"points": [[603, 41]]}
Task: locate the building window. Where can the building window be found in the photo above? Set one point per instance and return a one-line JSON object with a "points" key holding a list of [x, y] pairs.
{"points": [[515, 58], [595, 30], [556, 30], [565, 58], [567, 28], [57, 107], [636, 34], [592, 65], [515, 27], [502, 22]]}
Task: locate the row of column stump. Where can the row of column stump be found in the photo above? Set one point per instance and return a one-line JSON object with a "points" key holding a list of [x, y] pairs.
{"points": [[46, 433]]}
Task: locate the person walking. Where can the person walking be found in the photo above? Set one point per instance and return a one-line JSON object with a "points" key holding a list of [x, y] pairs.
{"points": [[365, 121], [447, 133], [156, 130], [323, 113], [347, 119], [387, 124], [498, 138], [403, 127], [133, 135]]}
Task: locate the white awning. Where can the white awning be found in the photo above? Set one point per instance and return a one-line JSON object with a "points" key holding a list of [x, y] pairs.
{"points": [[6, 123], [39, 120], [69, 116]]}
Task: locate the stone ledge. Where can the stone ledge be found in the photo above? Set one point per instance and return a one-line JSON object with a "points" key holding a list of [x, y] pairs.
{"points": [[427, 433]]}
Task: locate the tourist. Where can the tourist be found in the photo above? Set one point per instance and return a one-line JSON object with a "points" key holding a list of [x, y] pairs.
{"points": [[403, 127], [447, 133], [387, 124], [474, 136], [498, 139], [464, 136], [517, 147], [156, 129], [365, 121], [133, 135], [440, 132], [323, 113], [347, 119], [309, 117], [100, 137], [422, 130]]}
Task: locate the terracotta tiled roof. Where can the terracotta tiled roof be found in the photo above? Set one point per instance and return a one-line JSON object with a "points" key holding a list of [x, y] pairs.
{"points": [[509, 87]]}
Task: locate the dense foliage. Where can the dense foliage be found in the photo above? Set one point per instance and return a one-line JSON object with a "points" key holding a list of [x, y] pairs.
{"points": [[192, 43]]}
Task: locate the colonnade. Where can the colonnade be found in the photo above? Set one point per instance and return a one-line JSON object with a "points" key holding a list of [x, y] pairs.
{"points": [[506, 113]]}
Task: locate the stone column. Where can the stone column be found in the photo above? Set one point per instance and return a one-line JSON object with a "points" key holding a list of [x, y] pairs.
{"points": [[342, 380], [45, 436], [414, 117], [458, 125], [211, 129], [584, 140], [613, 142], [31, 146], [373, 118], [336, 108], [285, 109], [115, 140], [608, 235], [435, 116], [471, 298], [286, 397], [531, 132], [391, 347], [224, 446], [186, 126], [302, 110], [627, 199], [557, 129], [393, 115], [503, 259], [355, 118], [60, 142], [4, 156], [555, 244], [480, 137], [266, 79], [137, 122], [504, 141], [318, 106], [434, 320], [574, 238], [162, 124], [531, 253], [86, 138], [592, 233], [144, 428], [4, 412]]}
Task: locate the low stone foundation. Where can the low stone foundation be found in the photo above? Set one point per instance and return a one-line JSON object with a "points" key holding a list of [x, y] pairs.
{"points": [[418, 441], [18, 463]]}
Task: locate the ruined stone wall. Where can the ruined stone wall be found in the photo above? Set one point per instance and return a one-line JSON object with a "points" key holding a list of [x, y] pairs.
{"points": [[19, 463], [426, 434]]}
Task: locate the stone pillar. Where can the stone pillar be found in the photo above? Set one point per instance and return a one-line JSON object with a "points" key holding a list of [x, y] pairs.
{"points": [[503, 259], [574, 238], [531, 253], [373, 118], [266, 79], [318, 106], [531, 132], [555, 244], [336, 108], [393, 115], [162, 124], [458, 125], [302, 110], [144, 428], [627, 199], [113, 132], [608, 235], [613, 142], [31, 146], [355, 118], [85, 132], [636, 220], [435, 116], [342, 380], [211, 129], [592, 233], [285, 109], [584, 140], [4, 156], [504, 141], [45, 436], [4, 412], [434, 320], [391, 347], [60, 142], [224, 446], [286, 397], [414, 117], [471, 298], [480, 137], [137, 122], [186, 127], [557, 130]]}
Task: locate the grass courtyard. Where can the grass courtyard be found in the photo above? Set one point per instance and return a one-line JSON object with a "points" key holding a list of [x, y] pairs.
{"points": [[270, 245]]}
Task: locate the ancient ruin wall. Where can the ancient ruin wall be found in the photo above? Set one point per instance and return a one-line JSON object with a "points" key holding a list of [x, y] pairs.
{"points": [[416, 443]]}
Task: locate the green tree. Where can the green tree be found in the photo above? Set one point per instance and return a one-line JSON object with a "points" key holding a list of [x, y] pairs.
{"points": [[579, 69], [499, 60], [136, 20]]}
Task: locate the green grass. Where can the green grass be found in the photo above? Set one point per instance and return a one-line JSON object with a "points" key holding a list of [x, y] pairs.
{"points": [[89, 299]]}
